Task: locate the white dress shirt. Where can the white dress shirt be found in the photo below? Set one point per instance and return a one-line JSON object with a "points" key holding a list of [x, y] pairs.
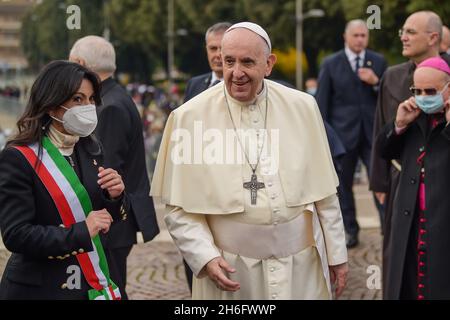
{"points": [[351, 56], [214, 78]]}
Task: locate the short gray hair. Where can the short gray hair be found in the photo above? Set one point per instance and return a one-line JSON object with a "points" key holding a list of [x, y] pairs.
{"points": [[354, 23], [97, 52], [434, 23], [219, 27]]}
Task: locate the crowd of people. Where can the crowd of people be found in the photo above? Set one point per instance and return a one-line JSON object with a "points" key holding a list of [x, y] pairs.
{"points": [[276, 225], [10, 92], [154, 105]]}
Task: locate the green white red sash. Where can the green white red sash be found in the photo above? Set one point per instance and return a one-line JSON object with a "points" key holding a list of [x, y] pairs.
{"points": [[74, 205]]}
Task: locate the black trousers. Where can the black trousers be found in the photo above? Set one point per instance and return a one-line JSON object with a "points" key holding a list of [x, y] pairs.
{"points": [[118, 267], [345, 192]]}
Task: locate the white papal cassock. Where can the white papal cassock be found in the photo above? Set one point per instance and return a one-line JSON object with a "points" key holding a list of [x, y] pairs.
{"points": [[282, 246]]}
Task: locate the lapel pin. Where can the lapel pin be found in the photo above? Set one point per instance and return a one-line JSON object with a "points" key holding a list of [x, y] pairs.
{"points": [[95, 162]]}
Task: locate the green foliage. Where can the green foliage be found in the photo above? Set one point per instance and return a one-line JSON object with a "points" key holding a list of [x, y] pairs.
{"points": [[45, 36], [139, 28]]}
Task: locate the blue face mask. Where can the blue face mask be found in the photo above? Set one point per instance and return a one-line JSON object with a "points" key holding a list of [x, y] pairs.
{"points": [[431, 104], [311, 91]]}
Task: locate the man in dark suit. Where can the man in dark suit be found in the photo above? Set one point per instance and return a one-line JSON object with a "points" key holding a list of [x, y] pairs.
{"points": [[213, 39], [120, 131], [347, 95]]}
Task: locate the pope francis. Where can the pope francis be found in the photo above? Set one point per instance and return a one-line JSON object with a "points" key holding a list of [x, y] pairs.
{"points": [[247, 178]]}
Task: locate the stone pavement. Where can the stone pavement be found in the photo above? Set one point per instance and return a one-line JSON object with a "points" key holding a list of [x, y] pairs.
{"points": [[155, 269]]}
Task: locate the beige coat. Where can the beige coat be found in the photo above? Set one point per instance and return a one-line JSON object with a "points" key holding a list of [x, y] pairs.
{"points": [[197, 195]]}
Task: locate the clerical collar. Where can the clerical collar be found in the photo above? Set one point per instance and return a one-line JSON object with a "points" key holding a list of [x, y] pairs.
{"points": [[64, 142], [259, 97]]}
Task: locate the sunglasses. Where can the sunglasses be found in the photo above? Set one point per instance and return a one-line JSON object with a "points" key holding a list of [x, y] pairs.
{"points": [[427, 91]]}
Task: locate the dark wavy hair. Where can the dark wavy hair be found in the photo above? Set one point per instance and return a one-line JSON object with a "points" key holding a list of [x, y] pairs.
{"points": [[57, 82]]}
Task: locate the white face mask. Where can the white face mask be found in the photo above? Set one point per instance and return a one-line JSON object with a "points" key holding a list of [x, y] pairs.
{"points": [[79, 120]]}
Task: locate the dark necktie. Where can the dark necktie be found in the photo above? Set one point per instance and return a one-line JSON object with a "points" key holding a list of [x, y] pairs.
{"points": [[214, 83], [357, 64]]}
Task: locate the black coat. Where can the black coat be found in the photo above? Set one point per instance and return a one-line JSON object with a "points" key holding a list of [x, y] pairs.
{"points": [[394, 89], [407, 147], [346, 102], [197, 85], [120, 131], [41, 250]]}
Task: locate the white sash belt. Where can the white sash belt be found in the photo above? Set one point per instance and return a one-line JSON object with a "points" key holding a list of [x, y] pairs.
{"points": [[262, 241]]}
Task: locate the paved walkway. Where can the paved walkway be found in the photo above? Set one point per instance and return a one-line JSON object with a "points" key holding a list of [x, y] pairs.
{"points": [[155, 269]]}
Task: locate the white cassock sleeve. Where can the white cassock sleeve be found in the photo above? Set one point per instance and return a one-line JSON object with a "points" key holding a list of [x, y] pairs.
{"points": [[192, 236], [330, 217]]}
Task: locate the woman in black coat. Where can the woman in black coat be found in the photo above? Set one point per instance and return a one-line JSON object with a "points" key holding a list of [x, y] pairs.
{"points": [[56, 199]]}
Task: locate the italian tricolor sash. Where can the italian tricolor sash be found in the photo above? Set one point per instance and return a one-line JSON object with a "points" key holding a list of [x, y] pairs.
{"points": [[74, 205]]}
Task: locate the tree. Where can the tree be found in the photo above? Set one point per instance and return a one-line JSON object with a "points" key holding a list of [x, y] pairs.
{"points": [[45, 36], [139, 29]]}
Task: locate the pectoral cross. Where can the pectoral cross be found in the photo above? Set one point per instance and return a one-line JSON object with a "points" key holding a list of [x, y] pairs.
{"points": [[253, 185]]}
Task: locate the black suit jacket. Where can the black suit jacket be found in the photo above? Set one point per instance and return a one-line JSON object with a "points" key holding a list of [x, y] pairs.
{"points": [[197, 85], [346, 102], [120, 131], [30, 226]]}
